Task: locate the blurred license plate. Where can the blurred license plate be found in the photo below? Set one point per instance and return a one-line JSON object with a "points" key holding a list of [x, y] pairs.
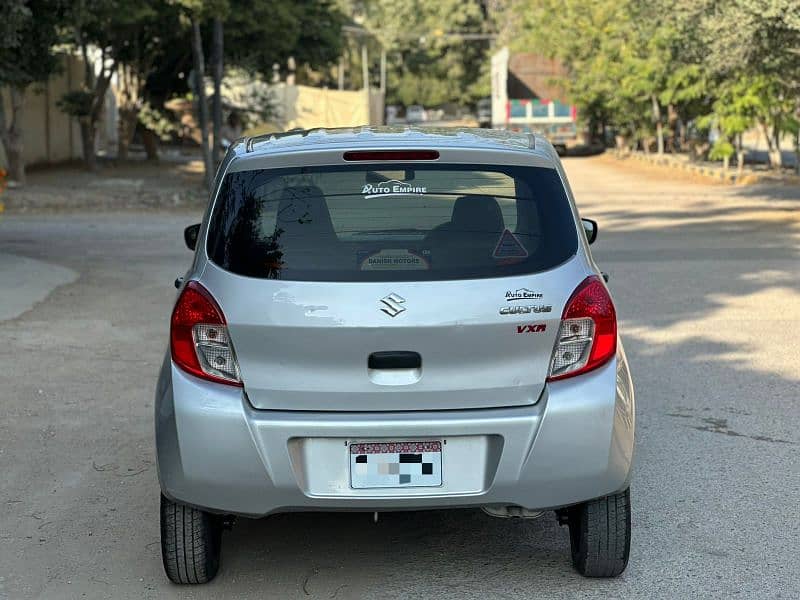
{"points": [[395, 464]]}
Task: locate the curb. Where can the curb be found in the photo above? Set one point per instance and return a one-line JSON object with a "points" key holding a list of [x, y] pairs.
{"points": [[44, 200], [717, 174]]}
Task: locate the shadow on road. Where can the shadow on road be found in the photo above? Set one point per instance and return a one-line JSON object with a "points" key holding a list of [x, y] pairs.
{"points": [[454, 553]]}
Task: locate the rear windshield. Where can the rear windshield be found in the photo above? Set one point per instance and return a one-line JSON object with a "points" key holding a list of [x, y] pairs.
{"points": [[403, 223]]}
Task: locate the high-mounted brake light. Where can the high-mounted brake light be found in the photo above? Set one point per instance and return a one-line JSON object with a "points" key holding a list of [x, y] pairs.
{"points": [[395, 155], [199, 338], [587, 337]]}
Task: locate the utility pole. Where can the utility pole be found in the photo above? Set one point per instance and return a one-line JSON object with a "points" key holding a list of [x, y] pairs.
{"points": [[383, 71], [200, 92], [217, 53], [364, 66]]}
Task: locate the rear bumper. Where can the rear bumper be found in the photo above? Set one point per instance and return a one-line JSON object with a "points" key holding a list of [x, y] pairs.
{"points": [[216, 452]]}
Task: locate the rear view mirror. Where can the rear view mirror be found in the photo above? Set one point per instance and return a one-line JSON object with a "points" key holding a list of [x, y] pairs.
{"points": [[590, 227], [190, 236]]}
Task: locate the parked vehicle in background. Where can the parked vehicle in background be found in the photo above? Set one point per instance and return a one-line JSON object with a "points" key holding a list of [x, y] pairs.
{"points": [[392, 112], [484, 112], [526, 98], [381, 319], [416, 114]]}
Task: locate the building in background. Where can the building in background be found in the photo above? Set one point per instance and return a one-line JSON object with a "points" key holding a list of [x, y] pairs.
{"points": [[526, 96]]}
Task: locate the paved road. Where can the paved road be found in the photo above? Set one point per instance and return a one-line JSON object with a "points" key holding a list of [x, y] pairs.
{"points": [[706, 279]]}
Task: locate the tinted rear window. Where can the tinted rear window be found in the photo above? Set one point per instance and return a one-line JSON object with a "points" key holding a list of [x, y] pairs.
{"points": [[404, 223]]}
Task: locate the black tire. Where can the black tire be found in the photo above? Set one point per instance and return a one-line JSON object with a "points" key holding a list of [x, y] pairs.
{"points": [[600, 535], [190, 542]]}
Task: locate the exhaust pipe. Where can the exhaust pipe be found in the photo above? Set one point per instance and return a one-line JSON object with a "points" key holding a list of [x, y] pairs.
{"points": [[504, 511]]}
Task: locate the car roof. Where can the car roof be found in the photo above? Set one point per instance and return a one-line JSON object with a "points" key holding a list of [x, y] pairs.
{"points": [[400, 136]]}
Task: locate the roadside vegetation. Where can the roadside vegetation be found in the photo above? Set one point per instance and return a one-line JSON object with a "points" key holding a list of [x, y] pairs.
{"points": [[155, 49], [670, 75], [691, 76]]}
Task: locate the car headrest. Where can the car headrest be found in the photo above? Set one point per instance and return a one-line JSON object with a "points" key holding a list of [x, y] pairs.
{"points": [[477, 213]]}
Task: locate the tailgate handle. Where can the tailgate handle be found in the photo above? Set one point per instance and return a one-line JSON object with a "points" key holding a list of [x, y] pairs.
{"points": [[395, 359]]}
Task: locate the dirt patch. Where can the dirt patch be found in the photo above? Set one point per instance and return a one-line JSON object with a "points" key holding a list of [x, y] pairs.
{"points": [[115, 186]]}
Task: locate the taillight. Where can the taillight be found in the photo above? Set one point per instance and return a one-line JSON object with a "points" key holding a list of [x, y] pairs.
{"points": [[199, 337], [587, 337]]}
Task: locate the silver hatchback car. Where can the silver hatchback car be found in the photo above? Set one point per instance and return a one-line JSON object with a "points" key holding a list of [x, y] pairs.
{"points": [[382, 319]]}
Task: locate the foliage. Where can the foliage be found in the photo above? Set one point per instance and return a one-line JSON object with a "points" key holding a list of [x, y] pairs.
{"points": [[721, 149], [15, 13], [157, 122], [26, 42], [77, 103], [734, 64], [432, 60], [250, 96], [259, 34]]}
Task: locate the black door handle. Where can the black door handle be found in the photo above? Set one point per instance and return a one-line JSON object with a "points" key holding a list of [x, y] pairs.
{"points": [[395, 359]]}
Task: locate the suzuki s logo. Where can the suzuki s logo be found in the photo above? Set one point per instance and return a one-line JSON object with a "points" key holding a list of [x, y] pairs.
{"points": [[393, 304]]}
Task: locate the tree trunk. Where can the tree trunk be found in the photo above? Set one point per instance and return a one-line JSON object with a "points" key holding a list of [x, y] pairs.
{"points": [[150, 141], [89, 123], [126, 126], [659, 124], [770, 145], [12, 137], [776, 158], [364, 67], [200, 92], [128, 92], [88, 135], [739, 156], [218, 66], [797, 152]]}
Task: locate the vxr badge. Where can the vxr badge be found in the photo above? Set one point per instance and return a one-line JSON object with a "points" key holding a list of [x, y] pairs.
{"points": [[393, 304]]}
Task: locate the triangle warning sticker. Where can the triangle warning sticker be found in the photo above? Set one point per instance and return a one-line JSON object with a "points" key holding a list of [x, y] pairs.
{"points": [[508, 246]]}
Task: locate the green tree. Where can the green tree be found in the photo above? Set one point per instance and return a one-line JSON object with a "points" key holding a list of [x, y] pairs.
{"points": [[261, 34], [435, 50], [145, 43], [117, 31], [197, 11], [750, 40], [734, 112], [27, 38], [15, 13], [257, 34]]}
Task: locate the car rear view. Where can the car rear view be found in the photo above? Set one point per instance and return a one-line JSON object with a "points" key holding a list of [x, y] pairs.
{"points": [[393, 319]]}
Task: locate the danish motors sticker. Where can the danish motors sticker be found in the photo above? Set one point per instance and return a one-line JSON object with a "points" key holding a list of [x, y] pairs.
{"points": [[534, 328], [393, 187], [509, 247], [522, 294], [395, 259]]}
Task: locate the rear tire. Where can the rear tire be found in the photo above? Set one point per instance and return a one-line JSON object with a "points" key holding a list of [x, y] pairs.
{"points": [[600, 535], [190, 542]]}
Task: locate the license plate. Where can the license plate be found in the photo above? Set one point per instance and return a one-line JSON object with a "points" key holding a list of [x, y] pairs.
{"points": [[395, 464]]}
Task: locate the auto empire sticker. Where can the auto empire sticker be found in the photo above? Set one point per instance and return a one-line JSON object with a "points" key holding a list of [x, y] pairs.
{"points": [[392, 187], [395, 259], [533, 328], [522, 294], [526, 310]]}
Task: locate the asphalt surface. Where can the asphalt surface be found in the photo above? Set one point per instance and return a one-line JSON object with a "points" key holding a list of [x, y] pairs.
{"points": [[706, 282]]}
